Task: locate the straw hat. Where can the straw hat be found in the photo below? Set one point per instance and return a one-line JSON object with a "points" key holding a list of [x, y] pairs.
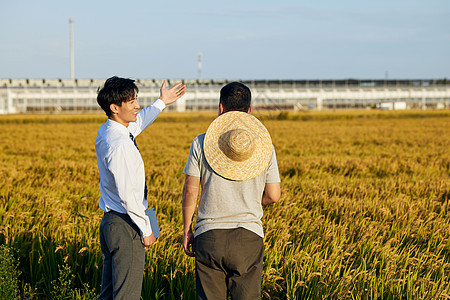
{"points": [[237, 146]]}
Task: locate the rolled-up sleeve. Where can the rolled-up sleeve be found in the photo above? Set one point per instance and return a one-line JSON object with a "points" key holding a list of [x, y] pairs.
{"points": [[192, 167], [273, 175]]}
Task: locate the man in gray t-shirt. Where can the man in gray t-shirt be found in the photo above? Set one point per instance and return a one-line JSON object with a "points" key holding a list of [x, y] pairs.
{"points": [[235, 164]]}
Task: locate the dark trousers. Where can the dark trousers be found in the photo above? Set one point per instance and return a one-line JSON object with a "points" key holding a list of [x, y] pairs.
{"points": [[228, 260], [123, 257]]}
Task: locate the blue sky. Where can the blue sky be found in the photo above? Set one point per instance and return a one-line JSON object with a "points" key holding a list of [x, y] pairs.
{"points": [[284, 39]]}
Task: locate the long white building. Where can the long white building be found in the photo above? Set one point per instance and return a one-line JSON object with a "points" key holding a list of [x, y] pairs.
{"points": [[79, 95]]}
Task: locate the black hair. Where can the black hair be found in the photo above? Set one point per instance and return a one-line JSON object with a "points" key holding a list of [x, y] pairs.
{"points": [[115, 91], [235, 96]]}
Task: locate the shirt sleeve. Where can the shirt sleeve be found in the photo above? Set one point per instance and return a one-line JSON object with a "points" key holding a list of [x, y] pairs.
{"points": [[127, 168], [146, 117], [192, 167], [272, 174]]}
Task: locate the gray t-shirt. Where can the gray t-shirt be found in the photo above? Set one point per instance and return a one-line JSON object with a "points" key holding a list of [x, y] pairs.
{"points": [[224, 203]]}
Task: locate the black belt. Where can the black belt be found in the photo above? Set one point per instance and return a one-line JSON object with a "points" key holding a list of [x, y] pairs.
{"points": [[115, 213], [124, 217]]}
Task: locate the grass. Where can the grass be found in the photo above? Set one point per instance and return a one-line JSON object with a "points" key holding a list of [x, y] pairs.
{"points": [[364, 212]]}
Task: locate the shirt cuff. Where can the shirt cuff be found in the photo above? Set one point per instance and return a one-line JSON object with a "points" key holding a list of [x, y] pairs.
{"points": [[159, 104]]}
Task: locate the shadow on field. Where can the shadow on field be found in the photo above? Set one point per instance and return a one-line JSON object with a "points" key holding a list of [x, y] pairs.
{"points": [[49, 270], [72, 270]]}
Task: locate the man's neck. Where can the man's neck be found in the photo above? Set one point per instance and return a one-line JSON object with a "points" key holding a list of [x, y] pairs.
{"points": [[118, 121]]}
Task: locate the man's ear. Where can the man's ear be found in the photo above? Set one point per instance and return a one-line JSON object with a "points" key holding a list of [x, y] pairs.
{"points": [[114, 108], [250, 109], [221, 109]]}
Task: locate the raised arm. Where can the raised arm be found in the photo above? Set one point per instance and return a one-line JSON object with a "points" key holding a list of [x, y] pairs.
{"points": [[189, 203], [169, 96], [272, 193]]}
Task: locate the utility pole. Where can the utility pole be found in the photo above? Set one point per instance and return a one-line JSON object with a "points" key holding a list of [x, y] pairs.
{"points": [[200, 65], [72, 59]]}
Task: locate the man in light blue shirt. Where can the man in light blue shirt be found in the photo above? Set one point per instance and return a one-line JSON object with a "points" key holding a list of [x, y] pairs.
{"points": [[125, 229]]}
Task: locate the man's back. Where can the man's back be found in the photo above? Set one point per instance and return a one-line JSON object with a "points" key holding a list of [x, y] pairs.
{"points": [[224, 203], [235, 165]]}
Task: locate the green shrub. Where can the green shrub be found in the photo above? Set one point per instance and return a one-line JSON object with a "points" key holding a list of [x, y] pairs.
{"points": [[9, 273], [63, 288]]}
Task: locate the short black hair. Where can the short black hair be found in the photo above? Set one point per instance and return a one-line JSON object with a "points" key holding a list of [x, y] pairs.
{"points": [[115, 91], [236, 96]]}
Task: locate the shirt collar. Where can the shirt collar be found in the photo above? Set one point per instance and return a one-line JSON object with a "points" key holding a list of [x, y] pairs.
{"points": [[118, 126]]}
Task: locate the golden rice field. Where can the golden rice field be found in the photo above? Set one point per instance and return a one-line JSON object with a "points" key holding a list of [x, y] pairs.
{"points": [[364, 212]]}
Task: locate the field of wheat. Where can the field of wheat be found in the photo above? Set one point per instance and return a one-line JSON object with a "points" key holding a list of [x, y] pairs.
{"points": [[364, 212]]}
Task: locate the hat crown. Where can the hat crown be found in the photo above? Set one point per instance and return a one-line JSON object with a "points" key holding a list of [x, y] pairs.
{"points": [[237, 144]]}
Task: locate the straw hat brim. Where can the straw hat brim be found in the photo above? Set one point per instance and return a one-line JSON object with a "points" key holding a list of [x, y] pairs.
{"points": [[231, 169]]}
